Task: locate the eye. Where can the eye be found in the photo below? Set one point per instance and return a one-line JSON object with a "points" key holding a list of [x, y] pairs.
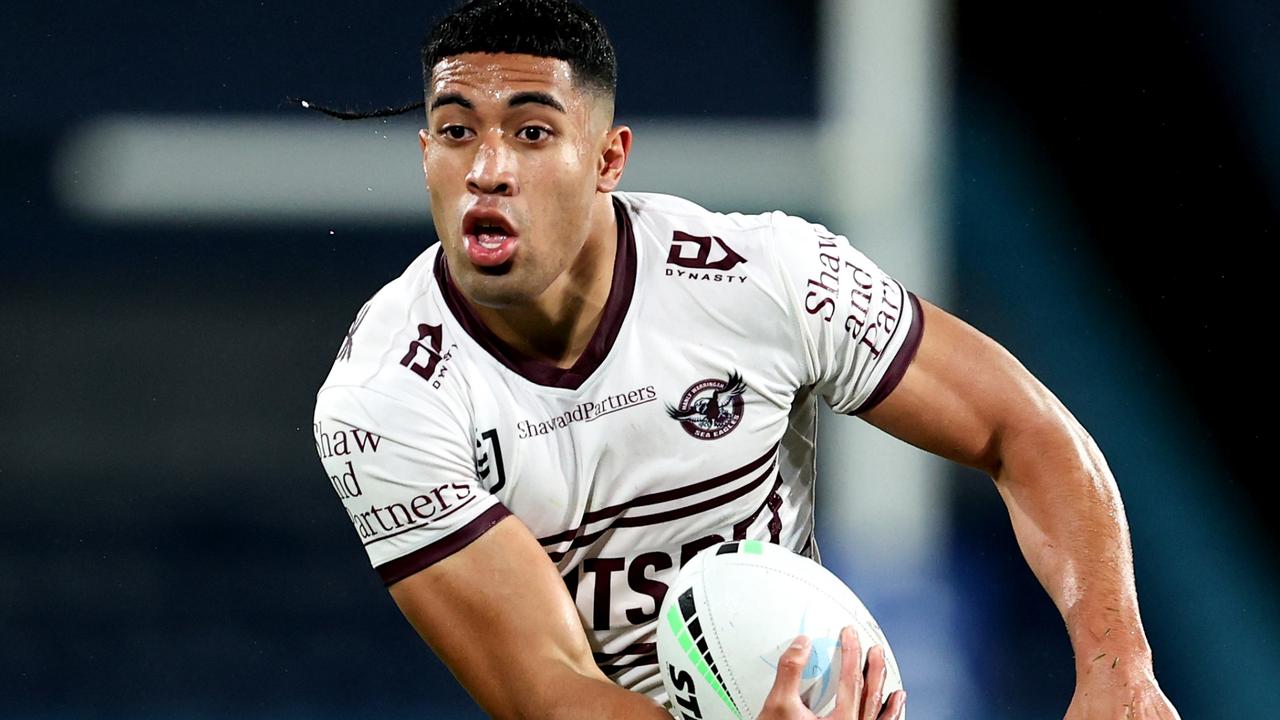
{"points": [[455, 132], [533, 133]]}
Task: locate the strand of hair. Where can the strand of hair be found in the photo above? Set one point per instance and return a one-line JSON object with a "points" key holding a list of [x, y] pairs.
{"points": [[357, 114]]}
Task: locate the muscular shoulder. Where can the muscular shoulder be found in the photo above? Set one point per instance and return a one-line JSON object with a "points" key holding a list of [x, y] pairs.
{"points": [[762, 259], [659, 216], [677, 228], [787, 284], [392, 348]]}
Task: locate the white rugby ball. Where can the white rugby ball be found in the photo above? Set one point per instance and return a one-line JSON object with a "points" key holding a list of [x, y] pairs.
{"points": [[731, 613]]}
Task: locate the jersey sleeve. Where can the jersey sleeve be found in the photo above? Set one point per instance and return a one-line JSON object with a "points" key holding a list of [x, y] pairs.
{"points": [[859, 327], [406, 476]]}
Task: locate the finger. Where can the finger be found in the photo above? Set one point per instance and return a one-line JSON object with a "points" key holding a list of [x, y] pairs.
{"points": [[873, 688], [849, 689], [896, 708], [786, 682]]}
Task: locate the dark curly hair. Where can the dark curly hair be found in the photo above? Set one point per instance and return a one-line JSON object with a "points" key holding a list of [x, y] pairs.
{"points": [[559, 29]]}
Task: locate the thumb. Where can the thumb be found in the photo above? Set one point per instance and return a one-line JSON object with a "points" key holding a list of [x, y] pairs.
{"points": [[786, 684]]}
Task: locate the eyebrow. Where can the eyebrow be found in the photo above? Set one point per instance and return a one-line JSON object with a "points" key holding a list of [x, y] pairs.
{"points": [[452, 98], [535, 98], [522, 98]]}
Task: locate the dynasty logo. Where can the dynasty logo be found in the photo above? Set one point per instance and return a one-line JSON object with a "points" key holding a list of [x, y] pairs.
{"points": [[711, 408], [705, 259], [429, 344]]}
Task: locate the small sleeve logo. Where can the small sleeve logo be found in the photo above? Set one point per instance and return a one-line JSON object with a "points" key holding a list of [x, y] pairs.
{"points": [[490, 469], [427, 353]]}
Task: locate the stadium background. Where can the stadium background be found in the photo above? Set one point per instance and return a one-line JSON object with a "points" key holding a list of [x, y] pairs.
{"points": [[1109, 178]]}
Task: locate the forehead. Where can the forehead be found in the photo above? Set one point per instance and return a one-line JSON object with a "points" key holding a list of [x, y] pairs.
{"points": [[496, 76]]}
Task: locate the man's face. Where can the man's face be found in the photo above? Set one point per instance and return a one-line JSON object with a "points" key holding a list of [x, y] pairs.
{"points": [[512, 155]]}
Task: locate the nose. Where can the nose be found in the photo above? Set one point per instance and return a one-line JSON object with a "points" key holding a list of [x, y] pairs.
{"points": [[493, 168]]}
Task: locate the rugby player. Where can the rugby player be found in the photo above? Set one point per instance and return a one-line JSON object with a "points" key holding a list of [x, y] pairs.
{"points": [[578, 389]]}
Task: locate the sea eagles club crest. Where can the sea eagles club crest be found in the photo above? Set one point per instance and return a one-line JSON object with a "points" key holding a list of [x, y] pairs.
{"points": [[711, 408]]}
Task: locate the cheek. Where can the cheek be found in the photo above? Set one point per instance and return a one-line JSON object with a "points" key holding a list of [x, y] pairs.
{"points": [[571, 195], [554, 191], [445, 183], [574, 183], [446, 166], [437, 171]]}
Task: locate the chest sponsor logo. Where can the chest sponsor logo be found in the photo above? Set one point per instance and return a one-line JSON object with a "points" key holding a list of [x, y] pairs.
{"points": [[703, 259], [426, 355], [647, 577], [711, 408], [586, 411], [617, 576]]}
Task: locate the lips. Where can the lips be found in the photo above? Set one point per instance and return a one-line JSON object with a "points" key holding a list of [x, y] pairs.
{"points": [[490, 238]]}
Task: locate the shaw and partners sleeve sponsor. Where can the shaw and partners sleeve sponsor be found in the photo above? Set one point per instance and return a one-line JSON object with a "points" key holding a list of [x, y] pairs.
{"points": [[353, 457]]}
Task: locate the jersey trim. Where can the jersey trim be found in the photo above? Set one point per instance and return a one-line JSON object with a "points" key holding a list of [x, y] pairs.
{"points": [[632, 656], [434, 518], [536, 371], [393, 571], [668, 516], [580, 537], [901, 361]]}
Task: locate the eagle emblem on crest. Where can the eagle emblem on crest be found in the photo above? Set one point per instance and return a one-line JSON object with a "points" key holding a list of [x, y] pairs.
{"points": [[711, 408]]}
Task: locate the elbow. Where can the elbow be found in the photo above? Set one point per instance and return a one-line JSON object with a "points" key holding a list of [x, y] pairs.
{"points": [[561, 692], [1041, 431]]}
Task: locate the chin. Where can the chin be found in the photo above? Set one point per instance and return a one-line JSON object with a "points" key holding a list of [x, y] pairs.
{"points": [[497, 287]]}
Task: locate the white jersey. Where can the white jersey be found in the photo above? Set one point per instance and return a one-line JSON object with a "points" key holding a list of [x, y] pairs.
{"points": [[688, 420]]}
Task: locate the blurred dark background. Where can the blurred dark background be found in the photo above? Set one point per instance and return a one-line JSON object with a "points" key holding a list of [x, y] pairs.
{"points": [[170, 548]]}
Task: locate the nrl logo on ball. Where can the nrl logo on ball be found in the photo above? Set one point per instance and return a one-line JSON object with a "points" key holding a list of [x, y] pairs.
{"points": [[711, 408]]}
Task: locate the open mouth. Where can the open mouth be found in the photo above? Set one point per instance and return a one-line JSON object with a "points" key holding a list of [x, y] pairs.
{"points": [[490, 237]]}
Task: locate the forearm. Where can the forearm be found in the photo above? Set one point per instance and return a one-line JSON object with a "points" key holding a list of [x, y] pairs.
{"points": [[547, 679], [966, 398], [500, 617], [574, 696], [551, 684], [1070, 523]]}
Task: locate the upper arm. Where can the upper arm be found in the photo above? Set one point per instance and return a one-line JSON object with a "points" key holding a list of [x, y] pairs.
{"points": [[470, 578], [499, 615], [879, 352], [963, 395], [405, 473], [468, 575]]}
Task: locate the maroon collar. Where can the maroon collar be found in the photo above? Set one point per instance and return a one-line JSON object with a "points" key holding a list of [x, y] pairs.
{"points": [[538, 371]]}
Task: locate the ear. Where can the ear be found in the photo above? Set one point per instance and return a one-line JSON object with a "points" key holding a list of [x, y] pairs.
{"points": [[613, 159], [424, 142]]}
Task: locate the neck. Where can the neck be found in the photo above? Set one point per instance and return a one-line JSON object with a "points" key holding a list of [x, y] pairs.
{"points": [[557, 325]]}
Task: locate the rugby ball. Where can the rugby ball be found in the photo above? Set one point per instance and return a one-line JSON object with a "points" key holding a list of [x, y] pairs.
{"points": [[734, 609]]}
